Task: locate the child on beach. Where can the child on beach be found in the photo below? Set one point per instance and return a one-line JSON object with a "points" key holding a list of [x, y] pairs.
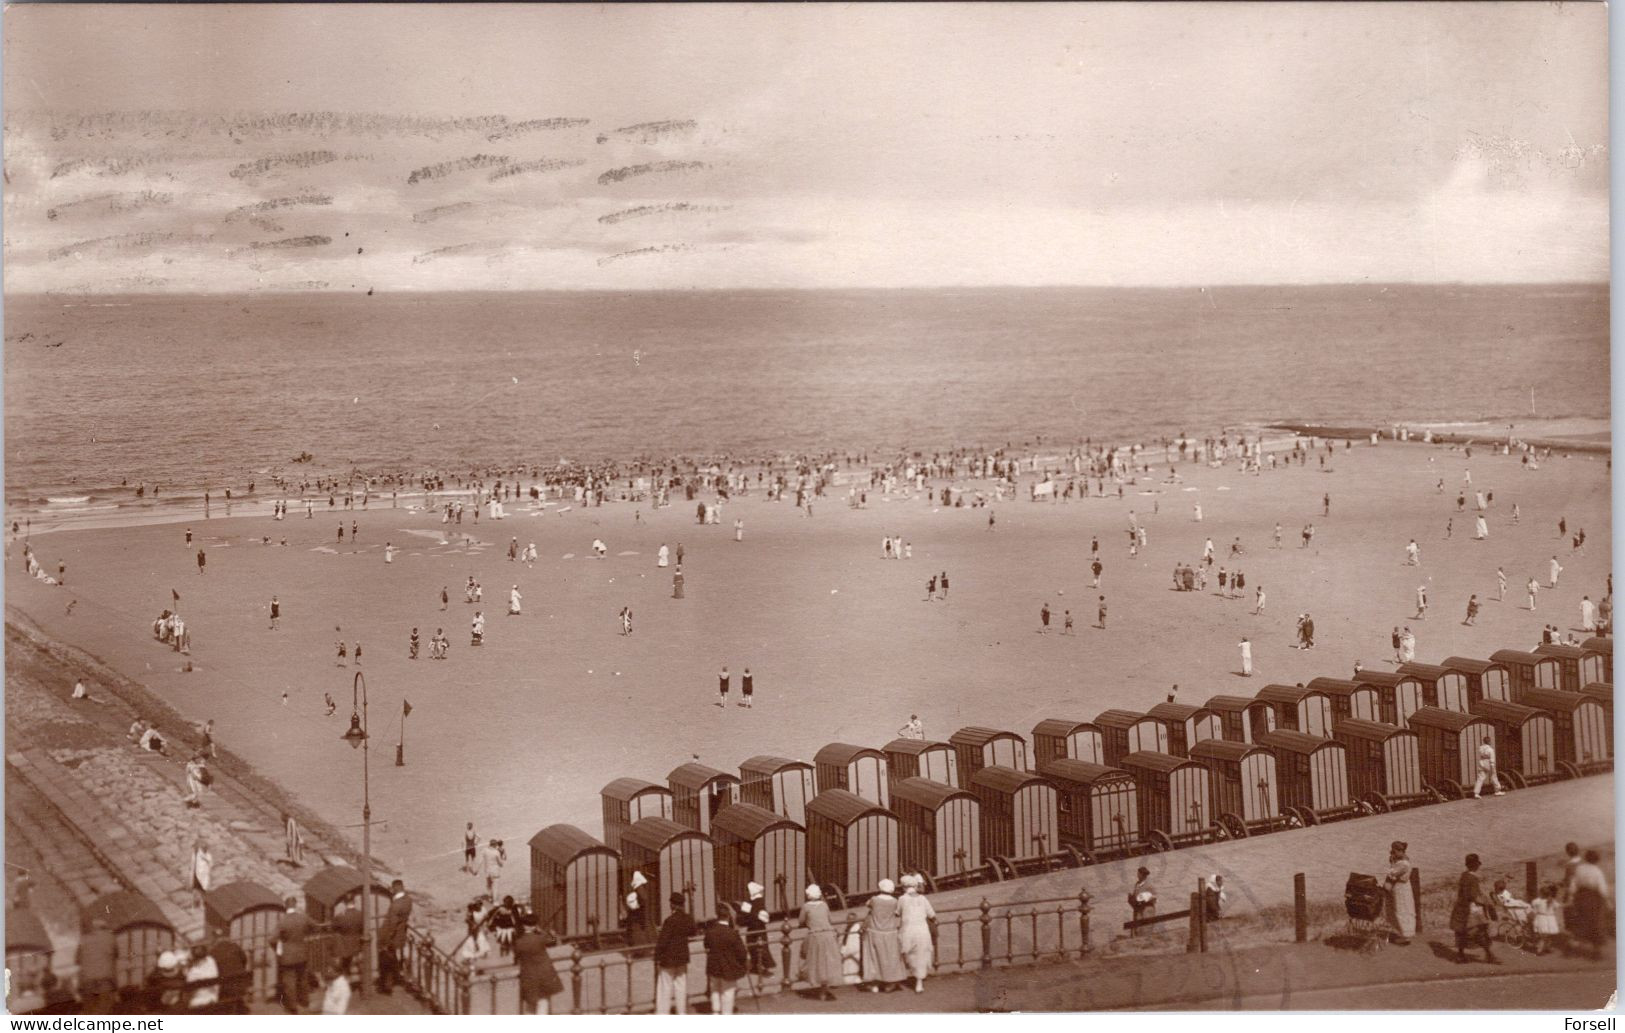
{"points": [[747, 689], [343, 657], [1544, 924], [722, 688], [412, 646]]}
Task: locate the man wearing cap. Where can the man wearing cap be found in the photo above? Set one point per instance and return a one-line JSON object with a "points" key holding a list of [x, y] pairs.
{"points": [[392, 937], [753, 927], [292, 955], [671, 959], [97, 989], [639, 913], [1401, 903]]}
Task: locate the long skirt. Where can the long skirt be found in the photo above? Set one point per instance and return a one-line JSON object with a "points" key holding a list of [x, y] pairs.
{"points": [[916, 946], [882, 956], [821, 958], [1588, 919]]}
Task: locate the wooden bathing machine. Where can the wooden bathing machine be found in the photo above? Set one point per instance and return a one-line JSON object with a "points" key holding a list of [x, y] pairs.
{"points": [[1603, 692], [1447, 742], [28, 957], [921, 758], [754, 844], [860, 770], [1312, 781], [1485, 679], [1348, 699], [698, 793], [1602, 648], [1524, 751], [1018, 813], [939, 827], [852, 843], [140, 933], [1173, 798], [1579, 730], [675, 859], [1384, 764], [1055, 738], [1123, 732], [1299, 708], [1528, 671], [1185, 726], [1400, 695], [1235, 714], [777, 784], [628, 800], [1442, 687], [977, 748], [1241, 777], [250, 915], [1097, 807], [575, 883], [1570, 660]]}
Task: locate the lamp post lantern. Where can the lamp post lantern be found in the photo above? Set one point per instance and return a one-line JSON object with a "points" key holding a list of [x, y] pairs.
{"points": [[357, 736]]}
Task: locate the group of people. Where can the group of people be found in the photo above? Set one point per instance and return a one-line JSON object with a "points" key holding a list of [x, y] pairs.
{"points": [[886, 949], [1578, 911], [171, 630]]}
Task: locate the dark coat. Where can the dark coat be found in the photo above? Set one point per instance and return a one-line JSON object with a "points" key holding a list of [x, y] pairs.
{"points": [[1470, 891], [671, 948], [537, 977], [393, 933], [291, 935], [347, 924], [725, 956], [232, 961]]}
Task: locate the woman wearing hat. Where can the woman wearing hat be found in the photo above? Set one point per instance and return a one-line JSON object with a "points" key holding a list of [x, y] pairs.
{"points": [[1142, 899], [820, 954], [726, 962], [914, 936], [1400, 907], [882, 951], [166, 985], [1470, 918]]}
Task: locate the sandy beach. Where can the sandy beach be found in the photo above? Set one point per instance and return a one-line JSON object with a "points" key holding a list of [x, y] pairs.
{"points": [[522, 732]]}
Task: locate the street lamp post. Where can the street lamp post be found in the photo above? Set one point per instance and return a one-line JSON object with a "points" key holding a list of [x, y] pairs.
{"points": [[357, 736]]}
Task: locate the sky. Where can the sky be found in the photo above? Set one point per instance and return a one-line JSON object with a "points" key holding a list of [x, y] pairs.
{"points": [[339, 148]]}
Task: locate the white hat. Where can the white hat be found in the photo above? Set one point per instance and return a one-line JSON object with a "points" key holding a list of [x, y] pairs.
{"points": [[638, 880], [887, 886], [755, 889], [169, 961], [814, 893]]}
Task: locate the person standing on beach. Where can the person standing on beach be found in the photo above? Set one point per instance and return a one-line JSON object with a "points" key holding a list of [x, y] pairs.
{"points": [[1413, 554], [722, 687], [445, 596], [1395, 640], [1553, 573], [1407, 646], [188, 539], [739, 530], [990, 519], [1246, 658], [201, 560], [1472, 611], [341, 532], [471, 848], [679, 554], [945, 586], [1326, 504], [677, 582], [514, 599], [1043, 619], [1421, 603], [1534, 590], [1102, 624], [663, 557], [389, 552], [1588, 614], [343, 653], [276, 612], [1277, 534], [1481, 528], [1095, 569], [1258, 605], [1449, 527], [1501, 584], [747, 689], [412, 646]]}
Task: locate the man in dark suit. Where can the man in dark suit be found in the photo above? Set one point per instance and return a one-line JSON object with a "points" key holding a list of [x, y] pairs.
{"points": [[350, 933], [292, 955], [392, 937], [235, 979]]}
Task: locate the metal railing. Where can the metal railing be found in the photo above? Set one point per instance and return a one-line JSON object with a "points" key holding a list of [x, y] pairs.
{"points": [[622, 980]]}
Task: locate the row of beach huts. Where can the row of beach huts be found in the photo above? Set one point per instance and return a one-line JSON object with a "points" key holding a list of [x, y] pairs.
{"points": [[990, 804]]}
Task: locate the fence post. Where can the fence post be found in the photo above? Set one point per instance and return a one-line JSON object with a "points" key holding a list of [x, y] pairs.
{"points": [[1083, 921], [1416, 895], [786, 977], [1300, 909], [987, 934], [1193, 941], [575, 981], [1531, 881]]}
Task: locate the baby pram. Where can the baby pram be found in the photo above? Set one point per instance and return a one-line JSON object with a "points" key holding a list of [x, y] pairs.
{"points": [[1363, 898]]}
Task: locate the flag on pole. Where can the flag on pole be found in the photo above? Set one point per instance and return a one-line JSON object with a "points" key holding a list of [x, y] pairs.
{"points": [[406, 709], [176, 594]]}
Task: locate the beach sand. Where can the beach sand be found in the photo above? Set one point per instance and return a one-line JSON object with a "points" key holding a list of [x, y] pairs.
{"points": [[522, 733]]}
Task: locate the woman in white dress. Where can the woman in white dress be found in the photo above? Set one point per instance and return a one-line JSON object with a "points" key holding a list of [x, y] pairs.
{"points": [[915, 933], [513, 600], [663, 557]]}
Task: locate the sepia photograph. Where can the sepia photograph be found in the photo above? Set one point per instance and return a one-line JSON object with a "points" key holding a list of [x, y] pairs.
{"points": [[588, 408]]}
